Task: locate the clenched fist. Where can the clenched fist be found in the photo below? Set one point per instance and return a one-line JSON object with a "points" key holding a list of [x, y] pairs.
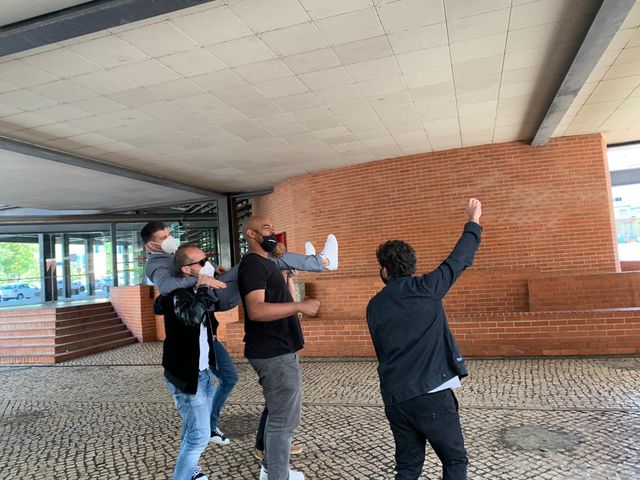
{"points": [[309, 307], [474, 210]]}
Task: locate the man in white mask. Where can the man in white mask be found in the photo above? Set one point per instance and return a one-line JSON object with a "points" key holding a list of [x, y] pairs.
{"points": [[160, 269]]}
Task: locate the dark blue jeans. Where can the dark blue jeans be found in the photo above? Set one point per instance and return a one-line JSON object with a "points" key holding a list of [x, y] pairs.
{"points": [[227, 379], [261, 427], [431, 417]]}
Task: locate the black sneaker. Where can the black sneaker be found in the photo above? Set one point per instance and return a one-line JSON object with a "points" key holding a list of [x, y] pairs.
{"points": [[219, 438], [198, 475]]}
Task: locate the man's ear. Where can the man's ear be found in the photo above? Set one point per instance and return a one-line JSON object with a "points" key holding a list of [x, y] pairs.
{"points": [[248, 233]]}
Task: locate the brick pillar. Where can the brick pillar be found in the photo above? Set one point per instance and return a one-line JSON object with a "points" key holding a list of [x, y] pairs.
{"points": [[134, 306]]}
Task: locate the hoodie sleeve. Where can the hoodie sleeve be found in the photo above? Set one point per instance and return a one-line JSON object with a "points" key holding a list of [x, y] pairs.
{"points": [[161, 272]]}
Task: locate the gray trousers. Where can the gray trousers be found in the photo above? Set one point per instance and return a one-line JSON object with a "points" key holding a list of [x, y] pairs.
{"points": [[281, 382]]}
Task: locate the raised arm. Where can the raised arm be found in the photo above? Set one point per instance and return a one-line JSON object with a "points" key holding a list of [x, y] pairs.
{"points": [[165, 278], [261, 311], [439, 282]]}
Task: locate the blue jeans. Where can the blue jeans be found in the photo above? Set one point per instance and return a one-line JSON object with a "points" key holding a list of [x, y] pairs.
{"points": [[227, 378], [195, 411]]}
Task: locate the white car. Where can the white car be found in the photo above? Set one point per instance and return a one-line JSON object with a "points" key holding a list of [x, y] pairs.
{"points": [[76, 287], [19, 291]]}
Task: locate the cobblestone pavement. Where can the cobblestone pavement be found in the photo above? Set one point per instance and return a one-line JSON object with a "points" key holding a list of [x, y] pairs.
{"points": [[109, 416]]}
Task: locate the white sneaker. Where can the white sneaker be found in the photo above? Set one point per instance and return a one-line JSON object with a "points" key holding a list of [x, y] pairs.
{"points": [[330, 252], [309, 249], [219, 438], [293, 474]]}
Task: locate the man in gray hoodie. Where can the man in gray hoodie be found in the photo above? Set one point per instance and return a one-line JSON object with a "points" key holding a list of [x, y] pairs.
{"points": [[160, 269]]}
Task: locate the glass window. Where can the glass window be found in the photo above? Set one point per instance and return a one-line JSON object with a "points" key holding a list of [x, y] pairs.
{"points": [[19, 270], [626, 202]]}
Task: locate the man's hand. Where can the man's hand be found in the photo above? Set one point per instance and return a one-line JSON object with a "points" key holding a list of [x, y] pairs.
{"points": [[220, 270], [210, 282], [474, 210], [309, 307], [279, 250]]}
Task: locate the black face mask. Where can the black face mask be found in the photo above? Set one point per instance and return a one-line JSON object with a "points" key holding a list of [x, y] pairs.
{"points": [[384, 279], [269, 243]]}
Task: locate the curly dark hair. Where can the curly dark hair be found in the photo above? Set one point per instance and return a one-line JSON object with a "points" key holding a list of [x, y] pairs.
{"points": [[398, 257]]}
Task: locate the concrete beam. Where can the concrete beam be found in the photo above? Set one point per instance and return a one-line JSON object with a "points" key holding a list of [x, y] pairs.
{"points": [[82, 162], [83, 19], [606, 24], [625, 177]]}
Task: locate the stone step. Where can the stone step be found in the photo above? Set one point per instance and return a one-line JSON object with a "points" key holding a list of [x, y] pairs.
{"points": [[61, 357], [27, 350], [31, 346], [28, 328], [68, 322], [14, 338], [25, 316], [91, 342], [67, 329], [20, 359], [92, 333], [47, 335], [83, 311]]}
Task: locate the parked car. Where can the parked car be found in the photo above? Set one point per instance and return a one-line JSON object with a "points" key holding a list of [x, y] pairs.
{"points": [[19, 291], [76, 287], [104, 283]]}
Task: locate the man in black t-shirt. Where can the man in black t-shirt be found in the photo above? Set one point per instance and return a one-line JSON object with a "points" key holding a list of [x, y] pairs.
{"points": [[272, 339]]}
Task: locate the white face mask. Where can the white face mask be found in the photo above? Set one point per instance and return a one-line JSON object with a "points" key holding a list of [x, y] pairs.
{"points": [[169, 245], [208, 270]]}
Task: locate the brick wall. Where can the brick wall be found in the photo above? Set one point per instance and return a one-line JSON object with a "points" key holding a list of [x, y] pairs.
{"points": [[593, 291], [547, 212], [630, 266], [548, 333], [134, 306]]}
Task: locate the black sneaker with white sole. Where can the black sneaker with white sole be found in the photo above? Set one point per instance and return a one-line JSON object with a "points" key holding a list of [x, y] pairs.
{"points": [[219, 438], [198, 475]]}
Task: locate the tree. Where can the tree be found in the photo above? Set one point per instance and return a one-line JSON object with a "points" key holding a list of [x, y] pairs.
{"points": [[18, 260]]}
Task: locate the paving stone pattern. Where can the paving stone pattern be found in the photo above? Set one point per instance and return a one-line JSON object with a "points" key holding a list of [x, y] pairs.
{"points": [[109, 416]]}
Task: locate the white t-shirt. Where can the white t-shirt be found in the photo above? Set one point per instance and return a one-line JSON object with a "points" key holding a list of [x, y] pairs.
{"points": [[204, 348], [451, 383]]}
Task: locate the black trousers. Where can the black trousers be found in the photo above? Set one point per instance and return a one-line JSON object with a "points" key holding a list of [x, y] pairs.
{"points": [[431, 417]]}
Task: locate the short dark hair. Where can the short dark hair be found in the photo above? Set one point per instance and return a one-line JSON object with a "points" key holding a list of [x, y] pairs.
{"points": [[398, 257], [149, 229], [181, 257]]}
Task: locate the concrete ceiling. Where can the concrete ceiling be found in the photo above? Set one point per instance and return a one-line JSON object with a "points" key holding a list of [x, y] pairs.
{"points": [[240, 94], [34, 182]]}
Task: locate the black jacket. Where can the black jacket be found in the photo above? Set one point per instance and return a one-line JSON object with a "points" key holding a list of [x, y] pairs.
{"points": [[415, 348], [184, 310]]}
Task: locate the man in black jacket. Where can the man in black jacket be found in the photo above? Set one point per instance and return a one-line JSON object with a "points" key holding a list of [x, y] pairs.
{"points": [[188, 358], [419, 359]]}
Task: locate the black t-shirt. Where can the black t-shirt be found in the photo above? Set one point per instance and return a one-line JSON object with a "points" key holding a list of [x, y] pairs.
{"points": [[267, 339]]}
